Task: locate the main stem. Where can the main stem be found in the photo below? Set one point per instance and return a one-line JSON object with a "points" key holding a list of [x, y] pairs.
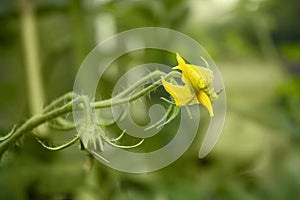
{"points": [[55, 109], [32, 123], [31, 55]]}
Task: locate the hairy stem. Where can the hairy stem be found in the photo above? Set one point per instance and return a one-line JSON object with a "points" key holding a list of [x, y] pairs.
{"points": [[32, 123], [59, 101], [55, 109], [32, 62], [147, 78]]}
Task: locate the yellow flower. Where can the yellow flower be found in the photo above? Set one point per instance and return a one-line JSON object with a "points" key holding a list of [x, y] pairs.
{"points": [[197, 88]]}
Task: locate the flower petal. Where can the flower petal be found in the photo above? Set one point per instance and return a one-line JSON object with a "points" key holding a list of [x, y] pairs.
{"points": [[180, 60], [183, 95], [205, 101]]}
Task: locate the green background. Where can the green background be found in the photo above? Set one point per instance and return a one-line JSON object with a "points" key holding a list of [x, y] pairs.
{"points": [[256, 46]]}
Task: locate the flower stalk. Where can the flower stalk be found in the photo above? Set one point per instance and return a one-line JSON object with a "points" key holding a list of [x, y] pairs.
{"points": [[197, 89], [64, 105]]}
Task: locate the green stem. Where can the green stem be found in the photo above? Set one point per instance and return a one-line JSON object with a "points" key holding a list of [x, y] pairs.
{"points": [[62, 124], [39, 119], [32, 123], [149, 77], [61, 100], [31, 55], [89, 119], [65, 125], [9, 134], [113, 102], [75, 139]]}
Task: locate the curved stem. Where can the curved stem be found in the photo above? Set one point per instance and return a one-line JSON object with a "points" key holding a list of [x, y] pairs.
{"points": [[63, 146], [113, 102], [162, 120], [61, 100], [5, 137], [50, 114], [149, 77], [119, 137], [62, 124], [32, 123]]}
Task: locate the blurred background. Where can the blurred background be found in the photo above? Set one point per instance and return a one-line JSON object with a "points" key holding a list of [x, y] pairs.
{"points": [[256, 46]]}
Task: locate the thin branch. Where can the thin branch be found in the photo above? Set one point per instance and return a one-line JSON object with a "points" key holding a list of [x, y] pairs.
{"points": [[119, 137], [9, 134], [57, 148], [53, 111], [62, 124], [159, 122], [150, 77], [59, 101]]}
